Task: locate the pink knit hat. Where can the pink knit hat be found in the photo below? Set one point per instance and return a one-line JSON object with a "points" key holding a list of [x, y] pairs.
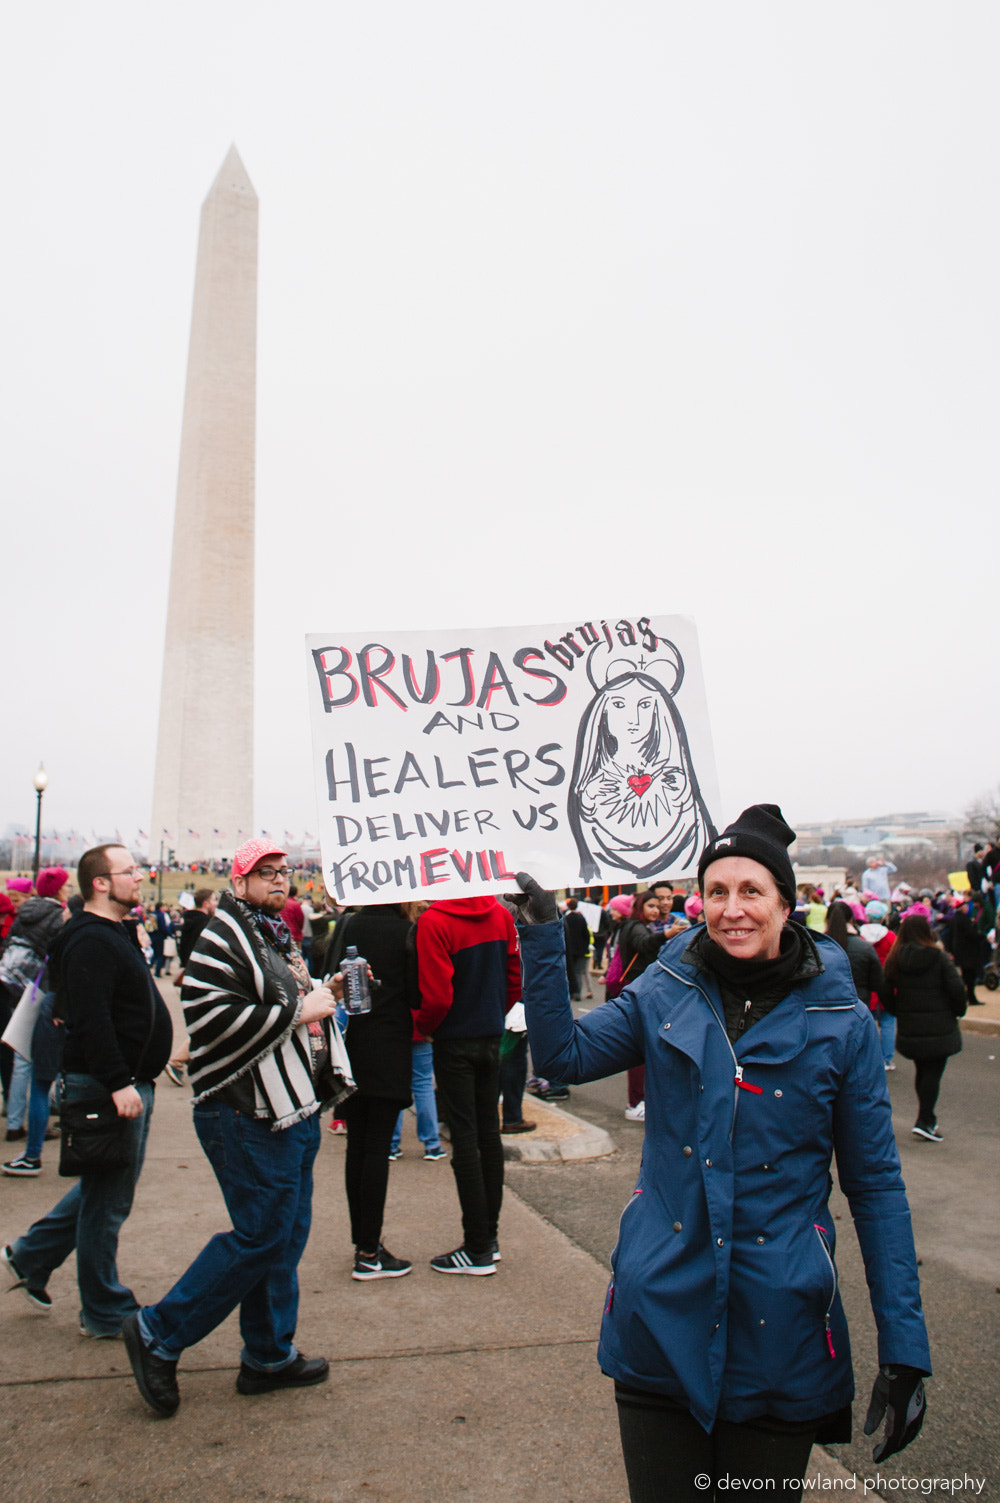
{"points": [[251, 852], [18, 884], [50, 880], [693, 905], [621, 904]]}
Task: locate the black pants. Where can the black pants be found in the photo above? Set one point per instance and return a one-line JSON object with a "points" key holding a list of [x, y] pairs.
{"points": [[370, 1124], [467, 1072], [928, 1084], [513, 1074], [665, 1449], [969, 974]]}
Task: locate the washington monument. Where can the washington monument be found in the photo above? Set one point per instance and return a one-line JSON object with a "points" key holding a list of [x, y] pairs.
{"points": [[203, 793]]}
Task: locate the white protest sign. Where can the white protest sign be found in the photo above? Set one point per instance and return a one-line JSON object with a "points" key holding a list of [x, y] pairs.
{"points": [[447, 761]]}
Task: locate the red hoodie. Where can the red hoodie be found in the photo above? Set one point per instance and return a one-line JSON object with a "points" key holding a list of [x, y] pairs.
{"points": [[469, 968]]}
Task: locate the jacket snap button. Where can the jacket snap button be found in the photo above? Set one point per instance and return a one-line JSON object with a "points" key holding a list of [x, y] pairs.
{"points": [[677, 1226], [708, 1163], [762, 1322], [777, 1093], [687, 1153], [720, 1241], [760, 1243], [666, 1025]]}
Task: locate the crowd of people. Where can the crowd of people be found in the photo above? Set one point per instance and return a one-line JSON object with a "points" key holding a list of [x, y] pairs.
{"points": [[743, 971]]}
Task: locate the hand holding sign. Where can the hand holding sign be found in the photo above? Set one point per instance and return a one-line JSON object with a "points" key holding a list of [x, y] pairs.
{"points": [[534, 905]]}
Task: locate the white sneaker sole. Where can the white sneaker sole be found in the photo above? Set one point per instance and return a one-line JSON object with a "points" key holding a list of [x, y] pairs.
{"points": [[474, 1269]]}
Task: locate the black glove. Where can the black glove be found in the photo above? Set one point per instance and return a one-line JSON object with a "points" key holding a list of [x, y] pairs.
{"points": [[900, 1391], [533, 904]]}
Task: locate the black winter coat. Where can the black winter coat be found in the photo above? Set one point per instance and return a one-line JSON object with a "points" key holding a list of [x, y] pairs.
{"points": [[967, 945], [927, 996], [639, 946], [866, 969], [380, 1043]]}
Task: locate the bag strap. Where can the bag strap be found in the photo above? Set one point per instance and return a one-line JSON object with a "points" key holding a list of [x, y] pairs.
{"points": [[631, 963]]}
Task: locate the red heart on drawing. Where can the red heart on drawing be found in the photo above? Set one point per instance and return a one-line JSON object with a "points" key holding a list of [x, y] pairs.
{"points": [[639, 785]]}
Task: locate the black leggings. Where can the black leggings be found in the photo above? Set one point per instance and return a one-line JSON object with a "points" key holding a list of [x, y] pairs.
{"points": [[928, 1083], [371, 1121], [665, 1450]]}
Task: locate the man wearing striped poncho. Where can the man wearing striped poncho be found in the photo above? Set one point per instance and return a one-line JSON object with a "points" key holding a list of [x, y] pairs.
{"points": [[266, 1058]]}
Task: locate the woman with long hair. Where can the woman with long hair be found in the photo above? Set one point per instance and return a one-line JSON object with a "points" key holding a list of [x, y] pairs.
{"points": [[866, 968], [927, 996]]}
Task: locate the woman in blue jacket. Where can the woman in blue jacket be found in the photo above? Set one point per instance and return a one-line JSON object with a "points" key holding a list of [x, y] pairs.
{"points": [[723, 1327]]}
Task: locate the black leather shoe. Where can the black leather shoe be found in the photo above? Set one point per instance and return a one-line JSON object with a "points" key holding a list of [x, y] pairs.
{"points": [[301, 1373], [155, 1378]]}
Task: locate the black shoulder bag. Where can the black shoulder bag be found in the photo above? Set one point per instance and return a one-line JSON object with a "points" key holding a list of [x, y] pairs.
{"points": [[93, 1137]]}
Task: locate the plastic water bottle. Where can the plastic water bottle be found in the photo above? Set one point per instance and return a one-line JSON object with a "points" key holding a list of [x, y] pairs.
{"points": [[357, 994]]}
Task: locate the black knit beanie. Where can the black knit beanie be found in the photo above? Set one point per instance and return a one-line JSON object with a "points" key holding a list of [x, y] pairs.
{"points": [[762, 834]]}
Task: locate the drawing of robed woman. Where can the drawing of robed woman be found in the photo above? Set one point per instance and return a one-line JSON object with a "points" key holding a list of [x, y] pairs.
{"points": [[634, 804]]}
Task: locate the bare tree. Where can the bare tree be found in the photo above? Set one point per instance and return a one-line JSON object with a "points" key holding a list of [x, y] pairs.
{"points": [[982, 817]]}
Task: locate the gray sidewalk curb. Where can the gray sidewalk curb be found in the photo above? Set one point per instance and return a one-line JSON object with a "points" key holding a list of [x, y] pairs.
{"points": [[585, 1142], [989, 1026]]}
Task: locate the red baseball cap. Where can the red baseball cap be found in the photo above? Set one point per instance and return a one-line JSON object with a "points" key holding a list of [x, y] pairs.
{"points": [[251, 853]]}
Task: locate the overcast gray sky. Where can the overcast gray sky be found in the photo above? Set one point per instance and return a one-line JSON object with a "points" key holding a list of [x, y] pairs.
{"points": [[565, 309]]}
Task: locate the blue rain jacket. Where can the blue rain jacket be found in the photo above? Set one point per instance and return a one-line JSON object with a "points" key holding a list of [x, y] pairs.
{"points": [[724, 1287]]}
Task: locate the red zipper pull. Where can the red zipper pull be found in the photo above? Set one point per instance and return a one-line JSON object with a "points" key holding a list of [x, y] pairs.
{"points": [[829, 1338], [745, 1085]]}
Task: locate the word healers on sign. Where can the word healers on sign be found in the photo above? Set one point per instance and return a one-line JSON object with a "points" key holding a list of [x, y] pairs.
{"points": [[365, 777]]}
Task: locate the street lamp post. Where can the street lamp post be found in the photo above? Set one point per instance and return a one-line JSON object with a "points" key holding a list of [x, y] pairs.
{"points": [[41, 783]]}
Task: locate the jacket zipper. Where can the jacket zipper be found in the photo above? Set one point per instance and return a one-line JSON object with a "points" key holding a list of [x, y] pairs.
{"points": [[630, 1202], [737, 1067], [821, 1234]]}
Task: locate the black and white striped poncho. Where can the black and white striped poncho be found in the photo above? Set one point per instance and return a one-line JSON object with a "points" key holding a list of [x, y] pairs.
{"points": [[241, 1007]]}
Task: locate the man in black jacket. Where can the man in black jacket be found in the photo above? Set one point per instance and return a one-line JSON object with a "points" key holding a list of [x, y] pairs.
{"points": [[118, 1037]]}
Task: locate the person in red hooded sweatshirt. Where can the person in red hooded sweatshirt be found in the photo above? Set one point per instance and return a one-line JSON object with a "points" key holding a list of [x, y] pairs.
{"points": [[469, 969]]}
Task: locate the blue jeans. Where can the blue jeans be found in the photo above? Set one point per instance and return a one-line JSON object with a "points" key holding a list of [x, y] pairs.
{"points": [[887, 1029], [266, 1179], [17, 1095], [422, 1085], [89, 1219], [38, 1116]]}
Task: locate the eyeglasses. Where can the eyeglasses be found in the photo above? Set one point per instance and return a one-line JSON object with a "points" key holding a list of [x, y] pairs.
{"points": [[130, 871], [268, 873]]}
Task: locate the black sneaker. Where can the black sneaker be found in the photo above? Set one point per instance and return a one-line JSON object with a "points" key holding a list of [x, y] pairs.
{"points": [[435, 1153], [930, 1131], [155, 1377], [23, 1166], [495, 1250], [381, 1265], [302, 1373], [40, 1299], [461, 1261]]}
